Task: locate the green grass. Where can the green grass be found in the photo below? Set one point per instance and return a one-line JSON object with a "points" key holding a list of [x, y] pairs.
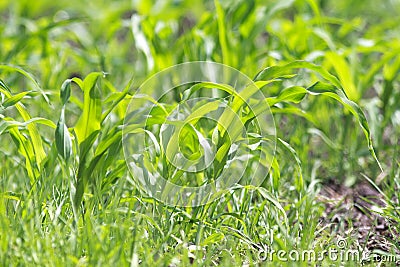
{"points": [[326, 71]]}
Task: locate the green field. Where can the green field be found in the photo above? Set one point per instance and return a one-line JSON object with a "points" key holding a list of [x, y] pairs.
{"points": [[279, 145]]}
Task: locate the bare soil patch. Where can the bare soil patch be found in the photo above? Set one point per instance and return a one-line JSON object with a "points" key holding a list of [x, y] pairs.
{"points": [[352, 212]]}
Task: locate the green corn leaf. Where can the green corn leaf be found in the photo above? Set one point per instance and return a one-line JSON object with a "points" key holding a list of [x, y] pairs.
{"points": [[65, 91], [4, 85], [28, 76], [332, 89], [275, 72], [26, 150], [107, 142], [339, 95], [35, 137], [84, 173], [90, 118], [63, 138], [208, 85], [78, 81], [293, 94], [8, 123], [16, 98], [344, 73], [118, 98]]}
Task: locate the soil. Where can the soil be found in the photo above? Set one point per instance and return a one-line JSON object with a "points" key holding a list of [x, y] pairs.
{"points": [[350, 212]]}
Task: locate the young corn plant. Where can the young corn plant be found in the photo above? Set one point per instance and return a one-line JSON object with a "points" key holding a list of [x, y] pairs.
{"points": [[90, 148], [30, 146]]}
